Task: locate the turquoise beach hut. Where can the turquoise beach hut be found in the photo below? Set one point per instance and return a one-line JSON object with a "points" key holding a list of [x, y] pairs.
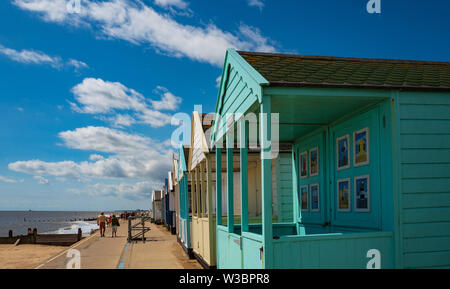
{"points": [[183, 188], [201, 166], [370, 161]]}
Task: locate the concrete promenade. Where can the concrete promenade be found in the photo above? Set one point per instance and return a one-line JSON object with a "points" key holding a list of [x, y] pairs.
{"points": [[160, 251]]}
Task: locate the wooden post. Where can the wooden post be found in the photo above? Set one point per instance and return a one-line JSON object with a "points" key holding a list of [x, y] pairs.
{"points": [[34, 236], [296, 210], [209, 187], [198, 192], [230, 195], [192, 200], [80, 234], [194, 192], [218, 186], [204, 189], [211, 225], [143, 229], [266, 180], [129, 229], [10, 233], [244, 174]]}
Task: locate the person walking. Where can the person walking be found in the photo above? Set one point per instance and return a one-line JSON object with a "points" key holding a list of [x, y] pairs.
{"points": [[101, 222], [114, 224]]}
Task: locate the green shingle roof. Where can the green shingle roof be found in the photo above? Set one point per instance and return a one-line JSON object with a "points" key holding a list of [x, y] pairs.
{"points": [[322, 71]]}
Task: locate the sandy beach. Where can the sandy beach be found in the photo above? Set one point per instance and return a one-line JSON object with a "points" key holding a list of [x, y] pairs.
{"points": [[26, 256]]}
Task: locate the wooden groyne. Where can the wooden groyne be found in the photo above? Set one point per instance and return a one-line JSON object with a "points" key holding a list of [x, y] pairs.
{"points": [[42, 239]]}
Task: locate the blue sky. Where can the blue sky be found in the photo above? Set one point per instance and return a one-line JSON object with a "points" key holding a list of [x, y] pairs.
{"points": [[87, 98]]}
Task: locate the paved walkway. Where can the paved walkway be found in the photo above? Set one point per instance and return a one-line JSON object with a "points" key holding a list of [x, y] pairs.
{"points": [[160, 251]]}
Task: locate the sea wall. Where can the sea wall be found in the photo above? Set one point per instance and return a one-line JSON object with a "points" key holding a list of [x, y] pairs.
{"points": [[42, 239]]}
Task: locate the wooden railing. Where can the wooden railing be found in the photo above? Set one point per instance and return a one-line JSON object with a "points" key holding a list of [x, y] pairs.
{"points": [[137, 230]]}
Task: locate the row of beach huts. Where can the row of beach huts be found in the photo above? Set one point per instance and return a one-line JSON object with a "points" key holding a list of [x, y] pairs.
{"points": [[316, 162]]}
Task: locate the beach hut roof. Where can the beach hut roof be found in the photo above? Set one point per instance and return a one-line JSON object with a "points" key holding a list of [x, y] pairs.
{"points": [[323, 71]]}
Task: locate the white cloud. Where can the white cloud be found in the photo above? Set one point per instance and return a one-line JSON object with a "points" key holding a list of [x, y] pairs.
{"points": [[137, 191], [41, 180], [77, 64], [142, 25], [95, 157], [218, 81], [96, 96], [132, 157], [154, 118], [52, 10], [168, 100], [181, 4], [103, 139], [254, 33], [8, 180], [61, 179], [256, 3], [121, 120], [38, 57], [31, 57], [38, 167]]}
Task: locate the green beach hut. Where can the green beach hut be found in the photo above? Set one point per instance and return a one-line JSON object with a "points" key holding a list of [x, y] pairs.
{"points": [[370, 161], [203, 176], [182, 186]]}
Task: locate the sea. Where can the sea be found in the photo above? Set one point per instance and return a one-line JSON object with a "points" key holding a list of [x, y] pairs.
{"points": [[47, 222]]}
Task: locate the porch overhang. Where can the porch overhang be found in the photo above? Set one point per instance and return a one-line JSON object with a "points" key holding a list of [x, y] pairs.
{"points": [[303, 110]]}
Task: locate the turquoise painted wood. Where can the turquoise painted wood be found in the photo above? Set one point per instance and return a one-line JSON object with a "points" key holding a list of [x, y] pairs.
{"points": [[185, 219], [222, 248], [332, 251], [219, 185], [239, 90], [251, 246], [243, 133], [283, 184], [230, 186], [408, 137], [229, 251], [266, 180], [308, 215], [424, 123]]}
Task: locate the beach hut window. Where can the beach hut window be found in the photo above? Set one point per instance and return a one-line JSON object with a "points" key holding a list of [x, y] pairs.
{"points": [[356, 171], [311, 179], [339, 175]]}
